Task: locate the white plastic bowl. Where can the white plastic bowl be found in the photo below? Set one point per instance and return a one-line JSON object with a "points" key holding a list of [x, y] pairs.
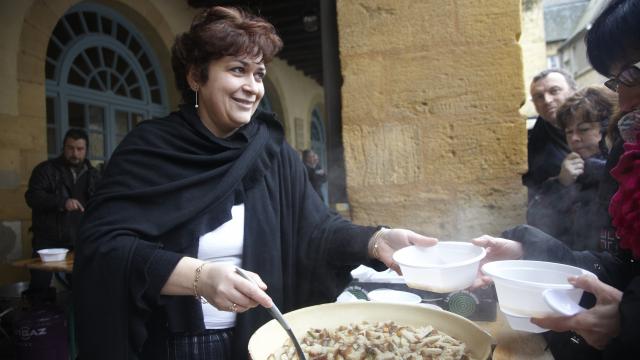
{"points": [[431, 306], [445, 267], [522, 323], [394, 296], [48, 255], [520, 284]]}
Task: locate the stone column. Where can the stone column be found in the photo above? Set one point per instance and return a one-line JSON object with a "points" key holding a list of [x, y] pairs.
{"points": [[432, 133]]}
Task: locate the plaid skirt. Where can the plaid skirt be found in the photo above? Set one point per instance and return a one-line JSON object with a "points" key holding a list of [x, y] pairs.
{"points": [[209, 345]]}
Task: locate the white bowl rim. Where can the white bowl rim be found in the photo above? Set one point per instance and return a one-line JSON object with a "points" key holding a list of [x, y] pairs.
{"points": [[515, 316], [486, 268], [477, 258], [409, 296], [530, 327], [53, 251]]}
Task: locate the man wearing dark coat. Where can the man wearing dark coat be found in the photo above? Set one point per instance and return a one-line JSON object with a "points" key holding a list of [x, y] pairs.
{"points": [[547, 146], [58, 192], [315, 172]]}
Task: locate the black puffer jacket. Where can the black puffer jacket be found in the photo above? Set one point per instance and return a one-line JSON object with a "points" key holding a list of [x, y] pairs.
{"points": [[50, 186]]}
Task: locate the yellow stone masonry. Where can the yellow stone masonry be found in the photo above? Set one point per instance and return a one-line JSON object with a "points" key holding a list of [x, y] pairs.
{"points": [[433, 137]]}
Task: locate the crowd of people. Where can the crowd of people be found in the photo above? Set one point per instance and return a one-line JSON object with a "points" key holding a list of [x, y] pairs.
{"points": [[566, 205], [609, 326], [155, 257]]}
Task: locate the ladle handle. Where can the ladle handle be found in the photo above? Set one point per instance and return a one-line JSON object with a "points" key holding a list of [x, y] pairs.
{"points": [[275, 312]]}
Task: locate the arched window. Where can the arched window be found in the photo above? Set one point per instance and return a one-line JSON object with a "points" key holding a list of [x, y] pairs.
{"points": [[101, 76]]}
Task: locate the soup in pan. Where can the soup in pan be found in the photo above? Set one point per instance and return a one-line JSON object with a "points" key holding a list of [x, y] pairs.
{"points": [[380, 340]]}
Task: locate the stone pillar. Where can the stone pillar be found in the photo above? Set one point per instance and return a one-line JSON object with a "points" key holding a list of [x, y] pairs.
{"points": [[432, 133], [534, 48], [331, 82]]}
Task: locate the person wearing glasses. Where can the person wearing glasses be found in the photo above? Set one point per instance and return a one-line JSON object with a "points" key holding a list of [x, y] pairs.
{"points": [[567, 206], [546, 145], [613, 48]]}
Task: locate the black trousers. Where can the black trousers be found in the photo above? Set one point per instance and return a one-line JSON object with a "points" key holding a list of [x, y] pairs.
{"points": [[40, 279], [212, 344]]}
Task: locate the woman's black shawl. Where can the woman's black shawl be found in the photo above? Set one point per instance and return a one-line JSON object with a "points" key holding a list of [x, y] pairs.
{"points": [[169, 182]]}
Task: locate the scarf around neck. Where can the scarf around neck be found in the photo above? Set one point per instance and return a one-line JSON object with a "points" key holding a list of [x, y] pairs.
{"points": [[168, 172]]}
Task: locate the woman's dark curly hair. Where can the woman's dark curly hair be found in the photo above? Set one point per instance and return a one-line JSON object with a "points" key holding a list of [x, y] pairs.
{"points": [[217, 32], [593, 103]]}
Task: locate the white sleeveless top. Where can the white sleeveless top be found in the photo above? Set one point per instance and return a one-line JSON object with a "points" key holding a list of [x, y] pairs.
{"points": [[223, 244]]}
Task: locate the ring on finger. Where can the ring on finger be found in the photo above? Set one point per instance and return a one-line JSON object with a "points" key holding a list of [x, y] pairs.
{"points": [[234, 307]]}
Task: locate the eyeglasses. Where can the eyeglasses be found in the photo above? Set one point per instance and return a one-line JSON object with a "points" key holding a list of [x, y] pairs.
{"points": [[628, 77]]}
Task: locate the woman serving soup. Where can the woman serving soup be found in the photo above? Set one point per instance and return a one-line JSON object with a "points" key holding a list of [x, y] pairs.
{"points": [[187, 198]]}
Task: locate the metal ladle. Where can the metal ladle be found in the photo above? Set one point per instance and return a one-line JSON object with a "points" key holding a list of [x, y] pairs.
{"points": [[275, 312]]}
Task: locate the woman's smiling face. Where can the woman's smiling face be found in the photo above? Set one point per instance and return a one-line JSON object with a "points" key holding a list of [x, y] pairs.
{"points": [[231, 94]]}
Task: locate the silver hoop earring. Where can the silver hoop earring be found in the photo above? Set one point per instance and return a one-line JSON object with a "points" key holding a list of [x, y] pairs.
{"points": [[196, 91]]}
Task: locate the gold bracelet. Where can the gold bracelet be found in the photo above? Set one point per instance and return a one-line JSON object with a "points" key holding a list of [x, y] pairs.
{"points": [[375, 240], [195, 284]]}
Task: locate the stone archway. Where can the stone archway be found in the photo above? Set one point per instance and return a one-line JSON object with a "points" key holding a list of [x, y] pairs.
{"points": [[24, 129], [34, 38]]}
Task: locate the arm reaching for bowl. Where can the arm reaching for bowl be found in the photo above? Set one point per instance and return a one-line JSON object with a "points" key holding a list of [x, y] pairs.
{"points": [[385, 242], [597, 325], [497, 249]]}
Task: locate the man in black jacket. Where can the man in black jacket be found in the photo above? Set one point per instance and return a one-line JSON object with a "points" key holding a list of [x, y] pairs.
{"points": [[547, 146], [316, 173], [58, 192]]}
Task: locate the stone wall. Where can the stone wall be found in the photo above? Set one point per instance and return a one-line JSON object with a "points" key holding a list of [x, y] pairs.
{"points": [[534, 48], [433, 136]]}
